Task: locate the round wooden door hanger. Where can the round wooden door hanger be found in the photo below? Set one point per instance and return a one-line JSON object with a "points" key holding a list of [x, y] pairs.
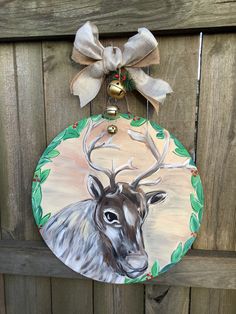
{"points": [[119, 208]]}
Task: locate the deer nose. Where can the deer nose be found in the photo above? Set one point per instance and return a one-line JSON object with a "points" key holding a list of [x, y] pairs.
{"points": [[137, 261]]}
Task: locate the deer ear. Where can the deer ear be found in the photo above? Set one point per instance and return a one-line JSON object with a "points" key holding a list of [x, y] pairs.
{"points": [[155, 197], [95, 187]]}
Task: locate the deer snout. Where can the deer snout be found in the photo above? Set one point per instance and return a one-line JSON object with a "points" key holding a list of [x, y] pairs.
{"points": [[137, 261]]}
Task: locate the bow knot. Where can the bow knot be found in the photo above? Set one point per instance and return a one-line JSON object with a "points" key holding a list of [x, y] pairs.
{"points": [[140, 50], [112, 59]]}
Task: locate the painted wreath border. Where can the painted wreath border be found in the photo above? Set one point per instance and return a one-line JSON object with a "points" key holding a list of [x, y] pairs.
{"points": [[74, 131]]}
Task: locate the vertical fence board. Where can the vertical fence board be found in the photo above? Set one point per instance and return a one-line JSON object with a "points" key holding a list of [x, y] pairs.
{"points": [[2, 296], [23, 136], [164, 300], [178, 66], [216, 152], [71, 296], [63, 109]]}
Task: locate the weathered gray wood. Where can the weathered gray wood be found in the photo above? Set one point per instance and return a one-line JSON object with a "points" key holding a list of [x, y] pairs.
{"points": [[178, 66], [27, 295], [2, 296], [117, 299], [158, 300], [53, 18], [62, 109], [110, 298], [199, 268], [69, 296], [22, 133], [216, 151], [215, 301]]}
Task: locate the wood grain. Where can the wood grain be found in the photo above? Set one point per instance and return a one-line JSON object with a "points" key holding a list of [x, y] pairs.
{"points": [[62, 109], [117, 299], [159, 300], [2, 296], [71, 296], [199, 268], [215, 301], [178, 66], [23, 136], [216, 151], [59, 18]]}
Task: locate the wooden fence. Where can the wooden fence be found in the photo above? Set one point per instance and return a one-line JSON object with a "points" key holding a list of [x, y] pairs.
{"points": [[35, 104]]}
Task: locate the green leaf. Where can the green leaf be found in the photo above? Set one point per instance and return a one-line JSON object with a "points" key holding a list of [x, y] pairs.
{"points": [[155, 269], [96, 117], [182, 152], [195, 180], [196, 205], [156, 126], [44, 175], [127, 116], [194, 223], [81, 125], [179, 144], [59, 137], [199, 191], [177, 253], [188, 244], [160, 135], [38, 212], [70, 133], [42, 162], [137, 121], [167, 267], [54, 153], [37, 197], [200, 215], [50, 147], [135, 280], [44, 219], [37, 173]]}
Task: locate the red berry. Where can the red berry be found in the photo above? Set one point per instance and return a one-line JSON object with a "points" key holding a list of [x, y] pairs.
{"points": [[116, 75], [124, 78], [194, 172]]}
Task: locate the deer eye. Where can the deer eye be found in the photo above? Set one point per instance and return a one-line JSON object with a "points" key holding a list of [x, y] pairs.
{"points": [[110, 217]]}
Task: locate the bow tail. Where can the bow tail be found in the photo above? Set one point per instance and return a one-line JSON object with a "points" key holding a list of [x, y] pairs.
{"points": [[87, 83], [154, 90]]}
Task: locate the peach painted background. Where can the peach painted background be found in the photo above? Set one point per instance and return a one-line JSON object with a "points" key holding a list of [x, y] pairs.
{"points": [[166, 225]]}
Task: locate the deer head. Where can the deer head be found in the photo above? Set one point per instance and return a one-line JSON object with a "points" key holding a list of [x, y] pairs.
{"points": [[121, 208]]}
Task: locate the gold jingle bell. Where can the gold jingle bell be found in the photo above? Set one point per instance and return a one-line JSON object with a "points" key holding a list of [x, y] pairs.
{"points": [[116, 89], [112, 129], [111, 112]]}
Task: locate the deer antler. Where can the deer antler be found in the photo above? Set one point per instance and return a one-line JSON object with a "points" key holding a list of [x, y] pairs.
{"points": [[111, 174], [160, 157]]}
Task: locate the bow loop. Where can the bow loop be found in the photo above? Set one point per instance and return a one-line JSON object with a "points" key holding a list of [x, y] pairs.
{"points": [[139, 51]]}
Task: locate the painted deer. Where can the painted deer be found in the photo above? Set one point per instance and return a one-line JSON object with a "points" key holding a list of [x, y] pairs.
{"points": [[102, 237]]}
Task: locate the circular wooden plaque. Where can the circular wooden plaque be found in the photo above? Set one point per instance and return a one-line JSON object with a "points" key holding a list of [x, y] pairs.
{"points": [[119, 208]]}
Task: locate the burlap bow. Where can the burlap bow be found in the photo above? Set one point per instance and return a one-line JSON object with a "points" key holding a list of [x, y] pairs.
{"points": [[139, 51]]}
